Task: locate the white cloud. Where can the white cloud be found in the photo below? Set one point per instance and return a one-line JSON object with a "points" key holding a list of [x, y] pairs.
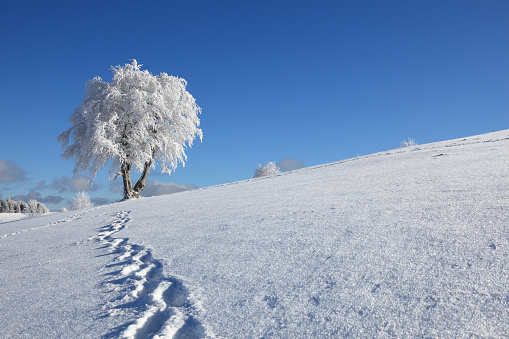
{"points": [[153, 188], [159, 188], [10, 172], [50, 199], [100, 201], [289, 164], [41, 186], [116, 186], [78, 184]]}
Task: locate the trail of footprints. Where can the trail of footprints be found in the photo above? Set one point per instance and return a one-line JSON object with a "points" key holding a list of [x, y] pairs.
{"points": [[54, 223], [164, 307]]}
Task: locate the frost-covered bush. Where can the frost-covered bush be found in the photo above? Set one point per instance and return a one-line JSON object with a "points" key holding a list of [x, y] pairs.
{"points": [[408, 143], [63, 209], [8, 206], [270, 168], [35, 208], [81, 201], [11, 206]]}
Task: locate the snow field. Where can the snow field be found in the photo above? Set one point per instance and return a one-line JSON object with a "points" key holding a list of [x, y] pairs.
{"points": [[6, 217], [399, 243], [412, 242]]}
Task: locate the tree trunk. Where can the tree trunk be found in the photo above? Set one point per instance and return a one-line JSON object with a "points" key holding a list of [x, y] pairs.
{"points": [[126, 177], [140, 185]]}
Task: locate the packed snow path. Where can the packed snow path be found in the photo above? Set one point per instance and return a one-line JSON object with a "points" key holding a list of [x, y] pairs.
{"points": [[407, 243], [143, 301], [167, 309]]}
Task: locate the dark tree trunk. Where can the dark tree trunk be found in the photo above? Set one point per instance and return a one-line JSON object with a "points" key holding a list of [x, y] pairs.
{"points": [[126, 177], [129, 191], [140, 185]]}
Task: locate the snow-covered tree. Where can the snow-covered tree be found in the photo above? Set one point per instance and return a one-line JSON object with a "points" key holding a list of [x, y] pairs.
{"points": [[42, 208], [270, 168], [81, 201], [16, 207], [135, 121], [23, 206], [9, 206], [408, 143], [63, 209], [35, 208]]}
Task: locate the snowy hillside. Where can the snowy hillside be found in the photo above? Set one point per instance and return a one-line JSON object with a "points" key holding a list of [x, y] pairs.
{"points": [[6, 217], [412, 242]]}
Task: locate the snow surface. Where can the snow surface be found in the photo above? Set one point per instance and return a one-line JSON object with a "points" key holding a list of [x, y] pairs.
{"points": [[6, 217], [412, 242]]}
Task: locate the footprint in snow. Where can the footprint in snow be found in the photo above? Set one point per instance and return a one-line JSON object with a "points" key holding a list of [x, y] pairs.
{"points": [[167, 308]]}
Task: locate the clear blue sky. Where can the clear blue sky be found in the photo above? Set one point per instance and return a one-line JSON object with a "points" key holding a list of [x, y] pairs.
{"points": [[313, 81]]}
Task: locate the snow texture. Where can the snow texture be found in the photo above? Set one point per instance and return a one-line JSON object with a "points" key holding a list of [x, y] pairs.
{"points": [[412, 242], [6, 217]]}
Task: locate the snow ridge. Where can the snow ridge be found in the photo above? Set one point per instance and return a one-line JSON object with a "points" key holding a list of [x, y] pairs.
{"points": [[163, 306], [474, 140], [54, 223]]}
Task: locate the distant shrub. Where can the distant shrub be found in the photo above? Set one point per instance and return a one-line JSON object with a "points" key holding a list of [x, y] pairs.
{"points": [[63, 209], [408, 143], [35, 208], [270, 168], [81, 201]]}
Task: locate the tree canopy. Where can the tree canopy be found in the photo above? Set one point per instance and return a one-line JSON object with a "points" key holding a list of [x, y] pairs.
{"points": [[135, 121]]}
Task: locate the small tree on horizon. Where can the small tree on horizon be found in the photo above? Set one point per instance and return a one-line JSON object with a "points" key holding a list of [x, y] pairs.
{"points": [[35, 208], [408, 143], [269, 168], [81, 201], [133, 122]]}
